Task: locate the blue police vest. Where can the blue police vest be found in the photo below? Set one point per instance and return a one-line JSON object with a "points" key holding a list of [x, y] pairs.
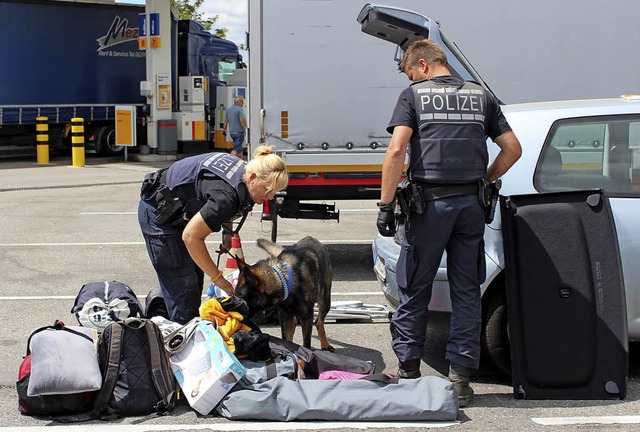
{"points": [[451, 127], [223, 165], [229, 168]]}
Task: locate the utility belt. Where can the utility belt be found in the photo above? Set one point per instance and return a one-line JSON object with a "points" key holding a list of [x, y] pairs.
{"points": [[169, 209], [413, 196], [151, 183]]}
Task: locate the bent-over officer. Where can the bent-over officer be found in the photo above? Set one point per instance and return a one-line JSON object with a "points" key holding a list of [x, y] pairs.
{"points": [[180, 206], [442, 122]]}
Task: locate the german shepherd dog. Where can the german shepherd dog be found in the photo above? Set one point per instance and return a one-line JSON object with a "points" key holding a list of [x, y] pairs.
{"points": [[293, 279]]}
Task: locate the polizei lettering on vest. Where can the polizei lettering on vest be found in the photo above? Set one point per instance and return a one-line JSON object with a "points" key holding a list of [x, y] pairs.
{"points": [[451, 104], [223, 166]]}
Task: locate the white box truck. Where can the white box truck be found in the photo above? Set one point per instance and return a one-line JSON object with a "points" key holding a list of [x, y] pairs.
{"points": [[322, 92]]}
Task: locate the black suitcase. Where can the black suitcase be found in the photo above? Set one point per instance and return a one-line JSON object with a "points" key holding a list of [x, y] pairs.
{"points": [[565, 296]]}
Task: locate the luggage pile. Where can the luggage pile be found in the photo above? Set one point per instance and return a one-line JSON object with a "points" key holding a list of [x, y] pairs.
{"points": [[112, 365], [119, 363]]}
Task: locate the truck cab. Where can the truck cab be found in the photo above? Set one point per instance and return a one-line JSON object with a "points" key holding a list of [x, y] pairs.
{"points": [[61, 70], [200, 53]]}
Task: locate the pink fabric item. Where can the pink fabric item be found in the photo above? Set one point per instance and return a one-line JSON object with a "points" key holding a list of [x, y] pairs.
{"points": [[339, 375]]}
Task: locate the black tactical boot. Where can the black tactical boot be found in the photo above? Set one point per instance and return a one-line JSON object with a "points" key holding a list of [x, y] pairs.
{"points": [[409, 369], [459, 377]]}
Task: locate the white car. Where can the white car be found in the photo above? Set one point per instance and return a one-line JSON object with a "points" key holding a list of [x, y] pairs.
{"points": [[567, 145]]}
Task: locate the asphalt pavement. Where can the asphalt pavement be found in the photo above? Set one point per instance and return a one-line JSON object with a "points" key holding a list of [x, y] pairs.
{"points": [[63, 226]]}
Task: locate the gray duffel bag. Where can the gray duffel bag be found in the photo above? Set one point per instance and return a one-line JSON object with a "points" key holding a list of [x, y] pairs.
{"points": [[428, 398]]}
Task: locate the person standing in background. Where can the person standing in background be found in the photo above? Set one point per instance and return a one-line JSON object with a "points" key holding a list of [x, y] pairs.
{"points": [[236, 122]]}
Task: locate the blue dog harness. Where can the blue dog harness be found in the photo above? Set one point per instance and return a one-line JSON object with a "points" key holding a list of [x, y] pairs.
{"points": [[287, 283]]}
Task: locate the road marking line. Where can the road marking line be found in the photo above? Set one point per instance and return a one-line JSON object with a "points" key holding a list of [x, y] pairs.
{"points": [[289, 242], [72, 297], [71, 244], [107, 213], [354, 210], [21, 298], [243, 426], [557, 421]]}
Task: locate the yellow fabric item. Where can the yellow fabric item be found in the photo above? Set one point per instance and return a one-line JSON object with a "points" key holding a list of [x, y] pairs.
{"points": [[227, 322]]}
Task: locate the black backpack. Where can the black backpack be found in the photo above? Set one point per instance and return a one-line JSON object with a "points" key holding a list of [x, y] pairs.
{"points": [[98, 304], [137, 378]]}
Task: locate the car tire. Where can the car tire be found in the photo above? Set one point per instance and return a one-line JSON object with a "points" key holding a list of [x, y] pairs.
{"points": [[496, 334], [107, 142]]}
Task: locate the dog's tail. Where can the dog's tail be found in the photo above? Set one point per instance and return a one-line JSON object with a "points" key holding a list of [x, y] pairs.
{"points": [[271, 248]]}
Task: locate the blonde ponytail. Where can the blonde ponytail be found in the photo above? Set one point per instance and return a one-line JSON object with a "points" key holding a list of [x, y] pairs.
{"points": [[269, 168]]}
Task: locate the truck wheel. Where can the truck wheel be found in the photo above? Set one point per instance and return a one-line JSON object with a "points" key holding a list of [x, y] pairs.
{"points": [[107, 142], [495, 334]]}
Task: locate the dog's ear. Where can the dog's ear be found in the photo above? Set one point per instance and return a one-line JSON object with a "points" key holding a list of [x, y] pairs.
{"points": [[240, 262], [247, 281], [248, 275]]}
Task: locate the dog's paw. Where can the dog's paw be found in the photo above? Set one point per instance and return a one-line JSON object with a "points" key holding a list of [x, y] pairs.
{"points": [[329, 348]]}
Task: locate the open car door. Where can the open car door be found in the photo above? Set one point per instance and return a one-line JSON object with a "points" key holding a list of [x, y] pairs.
{"points": [[565, 296], [401, 27]]}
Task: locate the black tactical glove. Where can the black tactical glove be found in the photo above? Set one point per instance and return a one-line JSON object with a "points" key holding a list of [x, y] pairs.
{"points": [[386, 219]]}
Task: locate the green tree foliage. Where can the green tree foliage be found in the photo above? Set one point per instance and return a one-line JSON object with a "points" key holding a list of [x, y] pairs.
{"points": [[189, 9]]}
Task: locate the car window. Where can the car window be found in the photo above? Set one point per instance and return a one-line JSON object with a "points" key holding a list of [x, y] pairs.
{"points": [[595, 152]]}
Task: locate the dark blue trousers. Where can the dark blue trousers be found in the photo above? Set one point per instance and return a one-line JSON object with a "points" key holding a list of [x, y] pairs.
{"points": [[454, 225], [180, 278]]}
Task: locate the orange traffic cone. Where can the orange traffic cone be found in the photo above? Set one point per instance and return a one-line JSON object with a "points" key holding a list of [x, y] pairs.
{"points": [[236, 250], [266, 211]]}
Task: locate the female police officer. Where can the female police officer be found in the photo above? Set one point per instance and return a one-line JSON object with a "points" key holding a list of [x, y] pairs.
{"points": [[180, 206]]}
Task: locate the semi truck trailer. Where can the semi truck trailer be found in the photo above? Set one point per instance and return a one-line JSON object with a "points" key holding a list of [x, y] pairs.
{"points": [[65, 59], [322, 91]]}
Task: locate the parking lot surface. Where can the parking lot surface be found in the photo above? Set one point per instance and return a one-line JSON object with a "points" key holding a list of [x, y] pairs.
{"points": [[63, 226]]}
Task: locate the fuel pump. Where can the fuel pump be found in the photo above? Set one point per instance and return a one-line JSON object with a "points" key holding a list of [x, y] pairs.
{"points": [[225, 96], [190, 118]]}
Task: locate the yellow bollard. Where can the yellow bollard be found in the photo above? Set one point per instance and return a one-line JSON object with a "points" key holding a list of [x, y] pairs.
{"points": [[42, 140], [77, 141]]}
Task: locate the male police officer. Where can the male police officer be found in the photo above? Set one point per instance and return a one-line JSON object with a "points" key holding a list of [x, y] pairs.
{"points": [[444, 121]]}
